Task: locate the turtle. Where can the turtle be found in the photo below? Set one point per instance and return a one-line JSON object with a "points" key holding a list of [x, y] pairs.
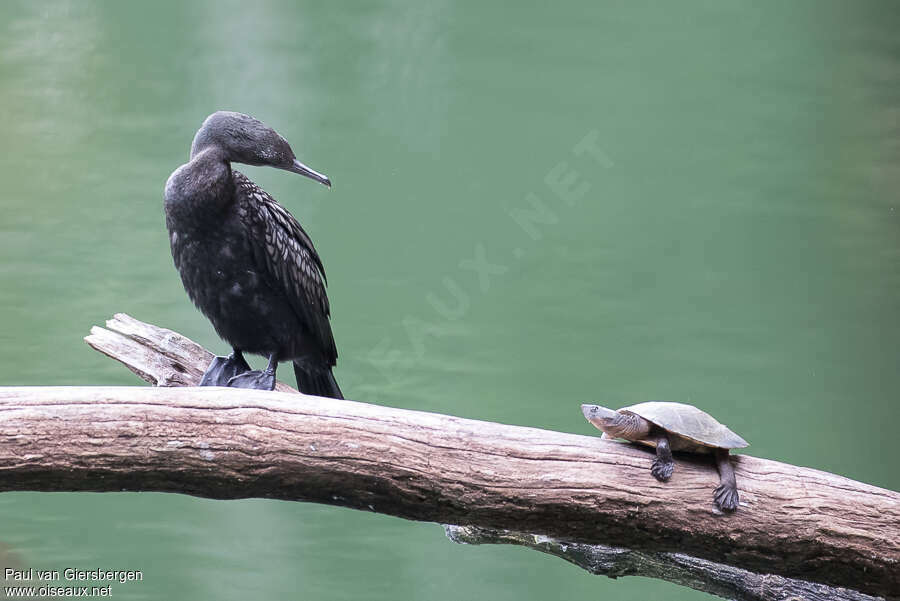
{"points": [[670, 426]]}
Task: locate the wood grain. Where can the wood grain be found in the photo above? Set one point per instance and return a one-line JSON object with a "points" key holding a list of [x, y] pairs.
{"points": [[224, 443]]}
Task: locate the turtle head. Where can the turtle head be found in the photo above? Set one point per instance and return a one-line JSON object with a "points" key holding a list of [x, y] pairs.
{"points": [[616, 425], [600, 417]]}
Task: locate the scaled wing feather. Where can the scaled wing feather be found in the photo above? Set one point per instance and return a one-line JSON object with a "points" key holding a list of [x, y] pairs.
{"points": [[286, 254]]}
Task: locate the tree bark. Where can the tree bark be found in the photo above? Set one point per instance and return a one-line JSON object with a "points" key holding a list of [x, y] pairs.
{"points": [[700, 574], [226, 443]]}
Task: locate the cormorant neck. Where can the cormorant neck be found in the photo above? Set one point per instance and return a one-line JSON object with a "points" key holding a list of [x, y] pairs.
{"points": [[210, 152], [212, 167], [200, 187]]}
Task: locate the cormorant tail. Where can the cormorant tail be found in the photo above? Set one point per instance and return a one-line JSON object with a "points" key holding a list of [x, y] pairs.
{"points": [[318, 382]]}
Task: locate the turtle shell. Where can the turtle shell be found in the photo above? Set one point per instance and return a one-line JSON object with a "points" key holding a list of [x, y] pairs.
{"points": [[689, 422]]}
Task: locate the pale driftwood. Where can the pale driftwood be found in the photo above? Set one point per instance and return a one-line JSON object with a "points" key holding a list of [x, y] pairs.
{"points": [[156, 355], [226, 443], [700, 574]]}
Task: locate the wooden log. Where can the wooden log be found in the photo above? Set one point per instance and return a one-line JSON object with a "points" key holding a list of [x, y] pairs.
{"points": [[156, 355], [223, 443], [703, 575], [229, 444]]}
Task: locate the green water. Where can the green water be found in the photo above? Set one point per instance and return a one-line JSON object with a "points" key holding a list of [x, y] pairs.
{"points": [[732, 240]]}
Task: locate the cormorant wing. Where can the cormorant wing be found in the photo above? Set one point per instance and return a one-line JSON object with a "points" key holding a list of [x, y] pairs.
{"points": [[286, 254]]}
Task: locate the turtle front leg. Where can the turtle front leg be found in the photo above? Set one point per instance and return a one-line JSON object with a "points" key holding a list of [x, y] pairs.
{"points": [[663, 465], [726, 493]]}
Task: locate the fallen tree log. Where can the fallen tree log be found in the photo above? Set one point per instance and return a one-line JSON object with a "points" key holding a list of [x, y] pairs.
{"points": [[725, 581], [225, 443]]}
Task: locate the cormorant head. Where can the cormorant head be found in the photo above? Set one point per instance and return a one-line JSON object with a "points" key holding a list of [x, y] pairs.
{"points": [[244, 139]]}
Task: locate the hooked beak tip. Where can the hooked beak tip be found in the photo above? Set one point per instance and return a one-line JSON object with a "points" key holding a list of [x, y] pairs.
{"points": [[302, 169]]}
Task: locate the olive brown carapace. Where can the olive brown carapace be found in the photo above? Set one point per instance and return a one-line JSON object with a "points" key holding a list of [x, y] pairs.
{"points": [[246, 262], [673, 427]]}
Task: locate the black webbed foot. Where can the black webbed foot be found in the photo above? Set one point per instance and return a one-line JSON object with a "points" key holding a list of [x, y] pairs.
{"points": [[726, 497], [223, 369], [256, 380], [662, 470]]}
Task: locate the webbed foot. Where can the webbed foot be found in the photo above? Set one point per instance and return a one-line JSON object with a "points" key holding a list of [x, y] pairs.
{"points": [[256, 380], [661, 469], [726, 497], [222, 369]]}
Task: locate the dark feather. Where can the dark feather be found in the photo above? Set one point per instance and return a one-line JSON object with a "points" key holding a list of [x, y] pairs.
{"points": [[285, 254]]}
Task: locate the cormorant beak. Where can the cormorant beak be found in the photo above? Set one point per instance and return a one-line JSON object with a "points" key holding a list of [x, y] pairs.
{"points": [[302, 169]]}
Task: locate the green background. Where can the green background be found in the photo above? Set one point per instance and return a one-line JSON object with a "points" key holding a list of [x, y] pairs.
{"points": [[738, 247]]}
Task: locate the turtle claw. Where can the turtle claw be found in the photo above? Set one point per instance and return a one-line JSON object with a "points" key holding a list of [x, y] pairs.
{"points": [[726, 497], [662, 470]]}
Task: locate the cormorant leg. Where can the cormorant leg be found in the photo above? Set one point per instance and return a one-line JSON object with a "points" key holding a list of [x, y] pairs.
{"points": [[222, 369], [258, 380], [726, 494], [663, 465]]}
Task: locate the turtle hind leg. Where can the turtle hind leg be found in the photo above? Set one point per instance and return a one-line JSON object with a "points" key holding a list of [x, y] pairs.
{"points": [[726, 494], [222, 369], [663, 465]]}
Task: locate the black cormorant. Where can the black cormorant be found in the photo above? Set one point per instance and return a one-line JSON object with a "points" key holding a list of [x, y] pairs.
{"points": [[246, 262]]}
